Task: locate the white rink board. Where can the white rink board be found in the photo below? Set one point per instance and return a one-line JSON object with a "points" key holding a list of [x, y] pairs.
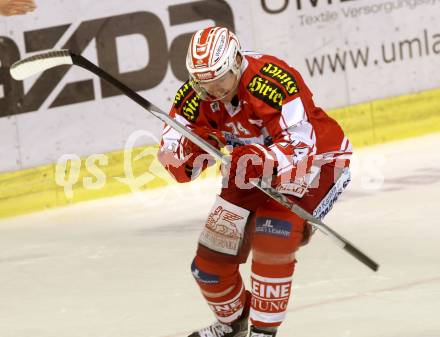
{"points": [[121, 266], [300, 34], [347, 26]]}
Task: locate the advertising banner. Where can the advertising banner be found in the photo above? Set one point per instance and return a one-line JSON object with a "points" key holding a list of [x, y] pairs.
{"points": [[348, 52]]}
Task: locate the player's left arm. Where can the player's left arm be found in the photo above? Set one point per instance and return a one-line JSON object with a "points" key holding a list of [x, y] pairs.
{"points": [[293, 135], [279, 98], [287, 122]]}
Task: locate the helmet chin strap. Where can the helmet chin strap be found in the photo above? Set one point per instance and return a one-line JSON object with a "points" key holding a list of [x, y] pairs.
{"points": [[227, 97], [233, 93]]}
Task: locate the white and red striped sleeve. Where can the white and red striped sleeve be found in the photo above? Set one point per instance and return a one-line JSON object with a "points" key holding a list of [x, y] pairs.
{"points": [[293, 135]]}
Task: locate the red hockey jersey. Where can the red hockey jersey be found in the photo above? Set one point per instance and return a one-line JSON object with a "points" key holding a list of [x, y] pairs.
{"points": [[275, 108]]}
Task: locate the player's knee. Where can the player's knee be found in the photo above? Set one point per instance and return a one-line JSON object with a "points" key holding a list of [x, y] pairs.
{"points": [[215, 280], [203, 274]]}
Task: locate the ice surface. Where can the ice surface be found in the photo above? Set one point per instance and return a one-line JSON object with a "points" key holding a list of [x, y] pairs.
{"points": [[120, 267]]}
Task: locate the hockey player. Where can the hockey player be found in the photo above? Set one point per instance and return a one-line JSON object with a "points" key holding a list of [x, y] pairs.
{"points": [[260, 106]]}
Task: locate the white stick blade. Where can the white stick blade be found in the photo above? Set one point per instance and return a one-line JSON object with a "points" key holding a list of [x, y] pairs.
{"points": [[38, 63]]}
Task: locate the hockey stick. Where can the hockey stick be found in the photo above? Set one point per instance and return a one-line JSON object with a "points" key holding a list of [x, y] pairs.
{"points": [[36, 64]]}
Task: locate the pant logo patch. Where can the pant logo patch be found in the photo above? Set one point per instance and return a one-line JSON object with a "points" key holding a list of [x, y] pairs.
{"points": [[273, 227]]}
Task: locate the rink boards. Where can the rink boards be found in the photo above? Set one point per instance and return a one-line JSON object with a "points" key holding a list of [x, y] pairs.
{"points": [[119, 172]]}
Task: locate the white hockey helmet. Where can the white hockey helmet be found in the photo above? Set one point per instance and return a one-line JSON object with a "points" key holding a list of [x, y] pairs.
{"points": [[212, 53]]}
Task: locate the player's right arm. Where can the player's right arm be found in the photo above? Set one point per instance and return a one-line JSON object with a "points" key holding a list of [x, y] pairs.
{"points": [[180, 157]]}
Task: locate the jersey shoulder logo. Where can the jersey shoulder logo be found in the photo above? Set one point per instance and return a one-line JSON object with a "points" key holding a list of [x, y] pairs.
{"points": [[191, 107], [266, 91], [182, 93], [282, 76]]}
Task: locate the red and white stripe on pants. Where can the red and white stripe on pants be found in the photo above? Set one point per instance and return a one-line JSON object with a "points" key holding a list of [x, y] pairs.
{"points": [[275, 235], [222, 287]]}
